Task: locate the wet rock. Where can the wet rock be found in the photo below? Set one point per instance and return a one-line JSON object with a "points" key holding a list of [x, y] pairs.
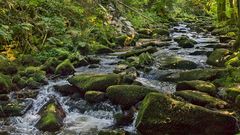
{"points": [[127, 95], [5, 84], [4, 97], [185, 42], [112, 132], [94, 96], [201, 53], [94, 66], [23, 94], [201, 99], [124, 119], [175, 62], [218, 57], [98, 82], [137, 52], [120, 68], [14, 108], [197, 85], [160, 31], [197, 74], [182, 64], [225, 39], [67, 89], [143, 43], [92, 60], [145, 31], [52, 115], [161, 114], [65, 68]]}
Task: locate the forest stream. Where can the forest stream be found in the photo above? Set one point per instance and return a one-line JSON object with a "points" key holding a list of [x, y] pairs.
{"points": [[88, 119]]}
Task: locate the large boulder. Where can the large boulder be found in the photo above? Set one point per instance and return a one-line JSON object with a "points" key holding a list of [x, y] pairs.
{"points": [[185, 42], [127, 95], [97, 82], [218, 57], [52, 115], [14, 108], [197, 85], [65, 68], [201, 98], [175, 62], [137, 52], [196, 74], [161, 114]]}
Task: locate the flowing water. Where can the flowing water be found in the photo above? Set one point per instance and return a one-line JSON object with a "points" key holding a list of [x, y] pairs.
{"points": [[87, 119]]}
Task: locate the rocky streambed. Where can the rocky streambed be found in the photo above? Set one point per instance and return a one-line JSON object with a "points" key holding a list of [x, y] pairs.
{"points": [[161, 86]]}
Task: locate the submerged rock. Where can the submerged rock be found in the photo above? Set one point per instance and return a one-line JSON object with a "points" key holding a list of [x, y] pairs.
{"points": [[161, 114], [127, 95], [185, 42], [197, 85], [201, 98], [14, 108], [98, 82], [52, 115], [218, 57]]}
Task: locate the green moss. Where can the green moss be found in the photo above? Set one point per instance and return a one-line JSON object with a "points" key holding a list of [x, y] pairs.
{"points": [[127, 95], [5, 83], [197, 85], [202, 99], [65, 68], [161, 114], [98, 82], [185, 42], [94, 96], [232, 93], [218, 57], [50, 65], [100, 49]]}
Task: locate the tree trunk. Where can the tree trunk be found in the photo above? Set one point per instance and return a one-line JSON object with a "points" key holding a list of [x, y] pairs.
{"points": [[221, 10], [233, 17]]}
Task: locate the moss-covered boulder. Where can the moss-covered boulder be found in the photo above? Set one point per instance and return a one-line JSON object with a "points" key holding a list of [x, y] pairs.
{"points": [[52, 115], [232, 93], [14, 108], [218, 57], [100, 49], [196, 74], [127, 95], [137, 52], [32, 77], [185, 42], [201, 98], [97, 82], [160, 31], [161, 114], [65, 68], [8, 68], [182, 64], [197, 85], [5, 84], [50, 65], [94, 96]]}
